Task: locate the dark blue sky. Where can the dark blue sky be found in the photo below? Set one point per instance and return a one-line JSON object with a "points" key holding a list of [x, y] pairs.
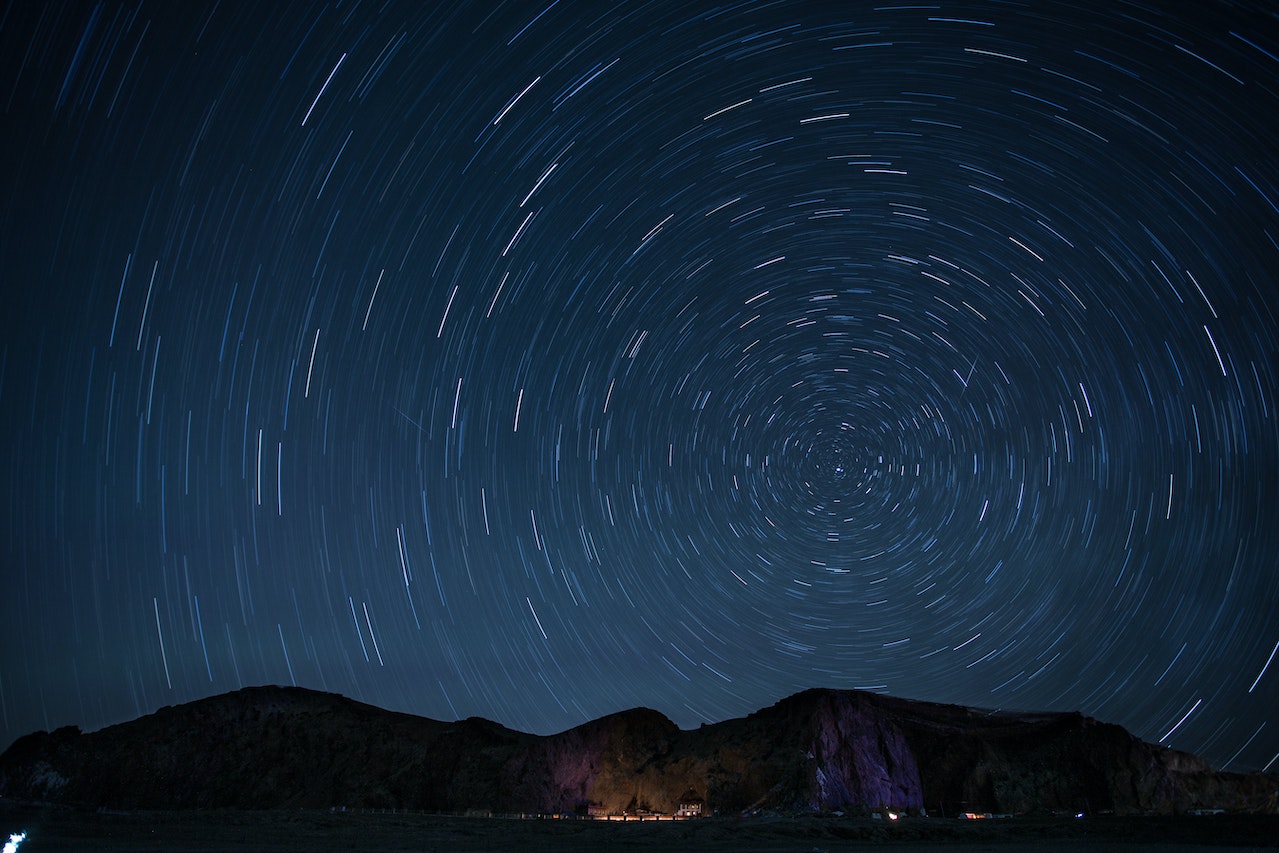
{"points": [[535, 361]]}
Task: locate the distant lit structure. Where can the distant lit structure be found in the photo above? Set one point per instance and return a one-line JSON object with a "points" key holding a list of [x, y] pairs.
{"points": [[690, 808], [690, 805]]}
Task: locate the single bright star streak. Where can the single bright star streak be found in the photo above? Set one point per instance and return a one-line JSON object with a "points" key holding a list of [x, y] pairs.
{"points": [[1198, 702], [535, 619], [1264, 667], [319, 94]]}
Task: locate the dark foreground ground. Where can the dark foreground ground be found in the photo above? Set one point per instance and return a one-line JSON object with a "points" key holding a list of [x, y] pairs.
{"points": [[320, 832]]}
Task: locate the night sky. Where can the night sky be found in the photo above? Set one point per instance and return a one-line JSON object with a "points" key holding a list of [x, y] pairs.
{"points": [[539, 360]]}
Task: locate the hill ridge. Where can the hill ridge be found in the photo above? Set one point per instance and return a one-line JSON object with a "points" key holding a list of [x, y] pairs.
{"points": [[822, 749]]}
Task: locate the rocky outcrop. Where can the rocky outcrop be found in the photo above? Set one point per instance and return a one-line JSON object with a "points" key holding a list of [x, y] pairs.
{"points": [[820, 750]]}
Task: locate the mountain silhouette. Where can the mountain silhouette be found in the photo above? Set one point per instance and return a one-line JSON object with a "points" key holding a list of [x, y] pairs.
{"points": [[817, 751]]}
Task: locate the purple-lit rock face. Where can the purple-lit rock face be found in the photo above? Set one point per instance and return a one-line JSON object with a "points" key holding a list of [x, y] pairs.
{"points": [[861, 757], [820, 750]]}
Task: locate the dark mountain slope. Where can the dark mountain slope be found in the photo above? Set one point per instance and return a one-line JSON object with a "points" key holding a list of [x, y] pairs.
{"points": [[820, 750]]}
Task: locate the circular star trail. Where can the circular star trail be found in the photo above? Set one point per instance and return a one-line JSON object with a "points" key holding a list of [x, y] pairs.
{"points": [[535, 361]]}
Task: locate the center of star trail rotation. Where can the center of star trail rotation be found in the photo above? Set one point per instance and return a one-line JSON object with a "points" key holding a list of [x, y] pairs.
{"points": [[542, 360]]}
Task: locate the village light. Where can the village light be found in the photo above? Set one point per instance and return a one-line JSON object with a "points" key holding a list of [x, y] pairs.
{"points": [[15, 838]]}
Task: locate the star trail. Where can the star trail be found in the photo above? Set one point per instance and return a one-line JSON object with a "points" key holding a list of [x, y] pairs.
{"points": [[537, 360]]}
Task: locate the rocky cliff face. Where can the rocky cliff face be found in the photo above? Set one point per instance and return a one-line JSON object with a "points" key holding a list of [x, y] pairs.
{"points": [[820, 750]]}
